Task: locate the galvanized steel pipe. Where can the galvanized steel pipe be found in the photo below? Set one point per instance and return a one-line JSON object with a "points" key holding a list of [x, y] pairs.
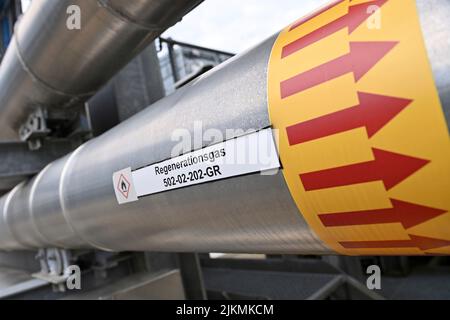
{"points": [[49, 65], [71, 204]]}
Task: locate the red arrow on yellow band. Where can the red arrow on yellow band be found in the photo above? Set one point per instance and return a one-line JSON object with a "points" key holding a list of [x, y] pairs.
{"points": [[391, 168], [373, 112], [408, 214], [315, 14], [363, 56], [356, 16], [423, 243]]}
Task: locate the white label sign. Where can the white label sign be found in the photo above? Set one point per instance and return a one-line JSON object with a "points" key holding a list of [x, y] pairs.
{"points": [[252, 153]]}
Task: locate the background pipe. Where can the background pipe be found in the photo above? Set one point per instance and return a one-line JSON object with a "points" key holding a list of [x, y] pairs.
{"points": [[48, 65]]}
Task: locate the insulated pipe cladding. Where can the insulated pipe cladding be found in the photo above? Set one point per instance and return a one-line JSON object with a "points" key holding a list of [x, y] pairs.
{"points": [[50, 64], [358, 92]]}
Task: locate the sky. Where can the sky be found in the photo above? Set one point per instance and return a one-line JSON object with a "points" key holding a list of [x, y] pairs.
{"points": [[25, 4], [236, 25]]}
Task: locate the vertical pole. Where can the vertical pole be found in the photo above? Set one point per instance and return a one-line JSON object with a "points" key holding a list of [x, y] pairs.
{"points": [[191, 273], [173, 61]]}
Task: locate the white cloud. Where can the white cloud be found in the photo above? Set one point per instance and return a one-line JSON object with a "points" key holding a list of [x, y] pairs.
{"points": [[235, 25]]}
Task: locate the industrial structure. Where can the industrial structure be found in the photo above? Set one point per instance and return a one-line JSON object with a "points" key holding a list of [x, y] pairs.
{"points": [[355, 98]]}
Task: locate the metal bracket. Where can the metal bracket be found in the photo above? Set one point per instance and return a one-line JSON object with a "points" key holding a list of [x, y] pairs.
{"points": [[34, 129], [54, 266]]}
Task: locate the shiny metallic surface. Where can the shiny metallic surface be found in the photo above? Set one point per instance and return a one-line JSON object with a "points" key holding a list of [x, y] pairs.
{"points": [[156, 16], [46, 210], [19, 94], [13, 281], [19, 219], [436, 31], [73, 202], [7, 238], [246, 214], [51, 66]]}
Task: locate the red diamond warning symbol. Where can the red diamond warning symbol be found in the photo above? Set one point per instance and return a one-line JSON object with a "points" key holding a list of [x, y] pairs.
{"points": [[123, 186]]}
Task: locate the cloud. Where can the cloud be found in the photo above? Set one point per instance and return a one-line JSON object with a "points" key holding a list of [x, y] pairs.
{"points": [[236, 25]]}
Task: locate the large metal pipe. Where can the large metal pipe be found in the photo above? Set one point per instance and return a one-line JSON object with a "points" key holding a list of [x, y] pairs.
{"points": [[72, 204], [48, 65]]}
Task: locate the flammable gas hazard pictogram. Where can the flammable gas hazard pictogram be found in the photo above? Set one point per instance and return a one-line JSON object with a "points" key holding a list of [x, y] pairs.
{"points": [[123, 186]]}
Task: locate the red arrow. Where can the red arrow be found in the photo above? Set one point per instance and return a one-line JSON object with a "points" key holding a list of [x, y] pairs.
{"points": [[315, 14], [353, 19], [423, 243], [373, 112], [391, 168], [362, 57], [408, 214]]}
